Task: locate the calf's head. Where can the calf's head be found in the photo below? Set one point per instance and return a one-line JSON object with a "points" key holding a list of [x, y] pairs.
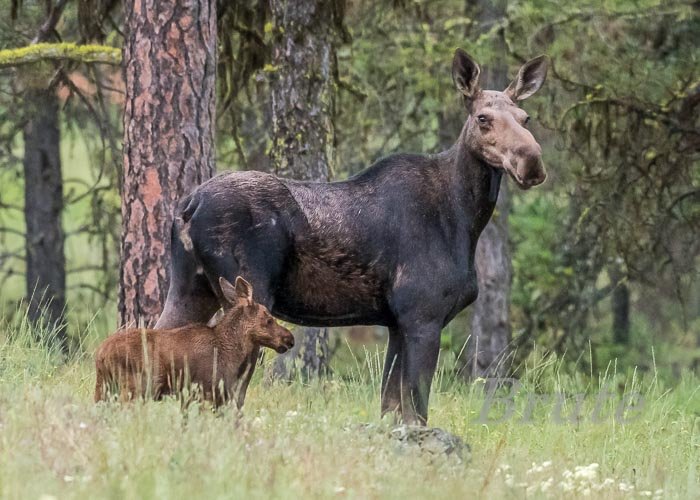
{"points": [[496, 129], [256, 320]]}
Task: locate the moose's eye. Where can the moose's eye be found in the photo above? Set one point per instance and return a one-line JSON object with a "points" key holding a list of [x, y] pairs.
{"points": [[527, 120], [482, 119]]}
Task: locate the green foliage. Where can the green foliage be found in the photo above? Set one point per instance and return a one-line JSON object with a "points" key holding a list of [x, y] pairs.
{"points": [[617, 119], [625, 77], [90, 148]]}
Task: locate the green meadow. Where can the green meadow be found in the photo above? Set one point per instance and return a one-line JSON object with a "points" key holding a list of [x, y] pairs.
{"points": [[310, 439]]}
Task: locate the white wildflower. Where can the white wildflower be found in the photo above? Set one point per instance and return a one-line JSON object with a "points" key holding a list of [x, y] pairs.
{"points": [[586, 472], [537, 468], [624, 487], [566, 485], [502, 468], [546, 484]]}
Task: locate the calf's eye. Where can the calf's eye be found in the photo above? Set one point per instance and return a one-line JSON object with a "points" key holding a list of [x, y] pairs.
{"points": [[482, 119], [527, 120]]}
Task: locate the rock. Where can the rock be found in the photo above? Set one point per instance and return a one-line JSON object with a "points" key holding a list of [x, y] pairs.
{"points": [[432, 440]]}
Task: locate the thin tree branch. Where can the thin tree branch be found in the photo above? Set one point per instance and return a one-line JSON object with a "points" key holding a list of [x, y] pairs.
{"points": [[60, 51]]}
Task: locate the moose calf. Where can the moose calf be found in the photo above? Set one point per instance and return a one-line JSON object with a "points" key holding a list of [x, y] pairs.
{"points": [[219, 360]]}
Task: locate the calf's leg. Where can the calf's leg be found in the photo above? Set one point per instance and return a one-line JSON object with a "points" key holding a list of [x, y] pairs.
{"points": [[244, 376], [99, 385]]}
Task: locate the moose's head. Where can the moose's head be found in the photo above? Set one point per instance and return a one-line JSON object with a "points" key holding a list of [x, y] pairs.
{"points": [[496, 129]]}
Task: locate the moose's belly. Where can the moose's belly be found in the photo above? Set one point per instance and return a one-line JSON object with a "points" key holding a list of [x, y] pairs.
{"points": [[324, 290]]}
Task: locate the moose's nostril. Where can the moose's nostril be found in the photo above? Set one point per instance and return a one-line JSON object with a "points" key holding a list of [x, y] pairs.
{"points": [[533, 168], [537, 179]]}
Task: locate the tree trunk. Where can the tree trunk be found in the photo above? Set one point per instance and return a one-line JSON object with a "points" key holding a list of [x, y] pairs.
{"points": [[620, 302], [487, 345], [169, 118], [302, 97], [43, 206]]}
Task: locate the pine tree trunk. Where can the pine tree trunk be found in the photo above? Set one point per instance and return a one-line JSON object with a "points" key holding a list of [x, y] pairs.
{"points": [[487, 346], [43, 206], [169, 118], [620, 303], [302, 97]]}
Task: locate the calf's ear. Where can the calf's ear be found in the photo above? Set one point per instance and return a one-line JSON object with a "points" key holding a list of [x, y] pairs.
{"points": [[227, 290], [244, 290], [232, 294]]}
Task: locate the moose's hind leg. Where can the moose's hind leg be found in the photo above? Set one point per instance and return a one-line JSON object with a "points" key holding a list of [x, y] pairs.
{"points": [[191, 303], [190, 296]]}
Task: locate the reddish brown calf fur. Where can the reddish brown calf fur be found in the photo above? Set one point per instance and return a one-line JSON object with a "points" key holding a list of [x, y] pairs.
{"points": [[219, 360]]}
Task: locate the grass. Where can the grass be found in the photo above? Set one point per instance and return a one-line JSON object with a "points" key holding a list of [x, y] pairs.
{"points": [[300, 440]]}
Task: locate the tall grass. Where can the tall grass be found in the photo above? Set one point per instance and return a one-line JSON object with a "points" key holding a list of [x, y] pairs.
{"points": [[300, 439]]}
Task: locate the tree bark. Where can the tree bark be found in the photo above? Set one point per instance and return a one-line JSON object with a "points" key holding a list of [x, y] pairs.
{"points": [[620, 303], [169, 118], [43, 206], [487, 344], [302, 101]]}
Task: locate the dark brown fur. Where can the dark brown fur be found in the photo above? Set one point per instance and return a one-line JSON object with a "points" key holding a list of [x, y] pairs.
{"points": [[219, 360]]}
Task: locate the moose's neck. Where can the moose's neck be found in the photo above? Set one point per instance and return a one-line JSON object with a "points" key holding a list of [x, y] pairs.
{"points": [[476, 183], [229, 331]]}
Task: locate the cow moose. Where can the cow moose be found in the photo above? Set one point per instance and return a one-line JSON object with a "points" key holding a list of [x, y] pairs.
{"points": [[220, 360], [392, 246]]}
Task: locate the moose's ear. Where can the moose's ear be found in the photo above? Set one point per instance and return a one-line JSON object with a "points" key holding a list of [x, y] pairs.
{"points": [[529, 80], [465, 73]]}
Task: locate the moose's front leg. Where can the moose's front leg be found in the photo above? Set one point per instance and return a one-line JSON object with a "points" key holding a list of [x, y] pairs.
{"points": [[421, 345], [391, 378]]}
